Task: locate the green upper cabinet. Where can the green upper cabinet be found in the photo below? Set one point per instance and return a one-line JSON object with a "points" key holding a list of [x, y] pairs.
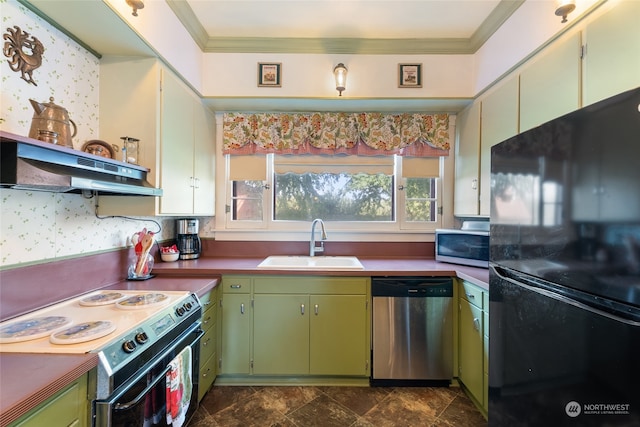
{"points": [[499, 121], [338, 337], [188, 150], [281, 334], [141, 98], [204, 160], [467, 158], [176, 177], [550, 84], [612, 60]]}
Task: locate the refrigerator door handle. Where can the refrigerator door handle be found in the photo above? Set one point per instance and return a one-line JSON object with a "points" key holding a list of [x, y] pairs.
{"points": [[565, 299]]}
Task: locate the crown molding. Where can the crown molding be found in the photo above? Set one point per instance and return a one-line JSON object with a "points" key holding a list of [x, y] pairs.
{"points": [[342, 104], [362, 46]]}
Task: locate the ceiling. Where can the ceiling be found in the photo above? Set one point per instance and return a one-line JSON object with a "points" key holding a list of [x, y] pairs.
{"points": [[342, 26]]}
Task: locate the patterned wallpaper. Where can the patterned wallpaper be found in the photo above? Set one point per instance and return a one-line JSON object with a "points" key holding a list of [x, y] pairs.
{"points": [[38, 226]]}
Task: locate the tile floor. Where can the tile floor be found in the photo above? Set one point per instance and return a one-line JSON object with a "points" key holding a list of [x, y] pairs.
{"points": [[294, 406]]}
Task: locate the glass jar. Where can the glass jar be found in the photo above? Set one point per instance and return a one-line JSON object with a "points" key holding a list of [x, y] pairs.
{"points": [[140, 269]]}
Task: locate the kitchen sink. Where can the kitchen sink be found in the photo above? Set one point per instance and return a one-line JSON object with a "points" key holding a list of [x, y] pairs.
{"points": [[283, 262]]}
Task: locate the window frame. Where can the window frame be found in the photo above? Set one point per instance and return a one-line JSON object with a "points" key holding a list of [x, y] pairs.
{"points": [[268, 223]]}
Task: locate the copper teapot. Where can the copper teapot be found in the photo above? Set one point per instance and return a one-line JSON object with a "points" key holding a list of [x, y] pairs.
{"points": [[49, 117]]}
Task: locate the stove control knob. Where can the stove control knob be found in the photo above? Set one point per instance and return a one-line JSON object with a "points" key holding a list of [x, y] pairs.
{"points": [[129, 346], [142, 337], [180, 311]]}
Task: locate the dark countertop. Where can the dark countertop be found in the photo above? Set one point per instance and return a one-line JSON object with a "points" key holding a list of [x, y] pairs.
{"points": [[30, 379], [372, 267]]}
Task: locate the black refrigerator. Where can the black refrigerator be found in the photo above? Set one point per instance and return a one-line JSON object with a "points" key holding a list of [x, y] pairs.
{"points": [[564, 292]]}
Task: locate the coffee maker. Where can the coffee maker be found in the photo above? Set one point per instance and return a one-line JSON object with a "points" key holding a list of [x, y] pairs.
{"points": [[187, 238]]}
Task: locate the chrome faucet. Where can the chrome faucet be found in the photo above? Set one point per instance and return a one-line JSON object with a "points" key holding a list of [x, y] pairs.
{"points": [[313, 249]]}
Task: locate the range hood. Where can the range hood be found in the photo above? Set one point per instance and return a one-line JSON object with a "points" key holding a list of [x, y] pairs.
{"points": [[29, 164]]}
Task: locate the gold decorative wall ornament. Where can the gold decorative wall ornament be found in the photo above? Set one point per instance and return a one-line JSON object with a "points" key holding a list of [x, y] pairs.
{"points": [[24, 52]]}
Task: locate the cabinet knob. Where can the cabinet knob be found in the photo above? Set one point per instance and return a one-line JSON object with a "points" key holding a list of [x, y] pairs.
{"points": [[302, 309], [242, 308], [316, 309], [476, 323]]}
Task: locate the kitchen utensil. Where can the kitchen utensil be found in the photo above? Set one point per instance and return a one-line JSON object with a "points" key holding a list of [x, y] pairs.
{"points": [[146, 242], [53, 118]]}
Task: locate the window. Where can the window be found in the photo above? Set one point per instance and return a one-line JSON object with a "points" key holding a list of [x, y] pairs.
{"points": [[421, 200], [353, 192], [247, 200], [333, 197]]}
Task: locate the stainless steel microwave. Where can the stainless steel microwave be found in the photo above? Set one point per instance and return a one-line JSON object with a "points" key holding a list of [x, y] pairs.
{"points": [[466, 246]]}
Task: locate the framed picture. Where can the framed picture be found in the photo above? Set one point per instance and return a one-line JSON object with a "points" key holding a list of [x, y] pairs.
{"points": [[409, 75], [269, 74]]}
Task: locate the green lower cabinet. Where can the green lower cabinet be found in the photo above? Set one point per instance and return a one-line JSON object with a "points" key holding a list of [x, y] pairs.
{"points": [[235, 353], [294, 326], [473, 342], [338, 337], [281, 334], [208, 343], [470, 357], [310, 335], [69, 407]]}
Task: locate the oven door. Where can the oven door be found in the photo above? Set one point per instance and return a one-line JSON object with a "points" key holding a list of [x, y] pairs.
{"points": [[163, 394]]}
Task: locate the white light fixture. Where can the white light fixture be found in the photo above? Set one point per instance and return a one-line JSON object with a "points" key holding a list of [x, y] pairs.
{"points": [[564, 8], [340, 72], [135, 5]]}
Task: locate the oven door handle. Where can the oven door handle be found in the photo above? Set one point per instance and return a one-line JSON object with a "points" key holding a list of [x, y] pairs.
{"points": [[143, 393]]}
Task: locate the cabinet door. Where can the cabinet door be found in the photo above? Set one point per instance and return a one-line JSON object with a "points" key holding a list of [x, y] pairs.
{"points": [[338, 335], [550, 85], [485, 360], [67, 408], [176, 168], [606, 173], [467, 184], [236, 334], [281, 334], [612, 61], [204, 161], [499, 122], [470, 356], [207, 376]]}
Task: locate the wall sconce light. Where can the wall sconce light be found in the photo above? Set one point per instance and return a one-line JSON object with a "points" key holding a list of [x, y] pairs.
{"points": [[564, 8], [340, 72], [135, 5]]}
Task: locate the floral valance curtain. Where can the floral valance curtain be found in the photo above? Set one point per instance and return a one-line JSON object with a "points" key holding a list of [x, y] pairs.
{"points": [[367, 134]]}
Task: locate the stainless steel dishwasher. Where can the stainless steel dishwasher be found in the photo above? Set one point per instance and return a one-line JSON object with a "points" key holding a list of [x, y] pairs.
{"points": [[412, 331]]}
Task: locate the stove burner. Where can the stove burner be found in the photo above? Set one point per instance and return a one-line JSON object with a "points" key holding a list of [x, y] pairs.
{"points": [[31, 329], [142, 301], [83, 332], [102, 299]]}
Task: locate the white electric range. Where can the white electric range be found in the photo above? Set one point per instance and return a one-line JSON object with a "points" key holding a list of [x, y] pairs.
{"points": [[136, 334]]}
